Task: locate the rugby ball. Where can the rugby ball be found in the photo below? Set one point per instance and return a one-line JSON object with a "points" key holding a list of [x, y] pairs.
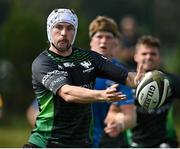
{"points": [[152, 90]]}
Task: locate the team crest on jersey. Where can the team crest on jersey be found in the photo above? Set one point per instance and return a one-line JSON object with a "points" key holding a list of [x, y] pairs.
{"points": [[104, 57], [86, 64], [60, 67], [69, 64]]}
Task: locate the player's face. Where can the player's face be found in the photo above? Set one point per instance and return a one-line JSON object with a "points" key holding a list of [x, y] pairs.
{"points": [[103, 43], [62, 35], [148, 56]]}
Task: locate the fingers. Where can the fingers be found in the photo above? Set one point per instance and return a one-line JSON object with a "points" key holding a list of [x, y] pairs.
{"points": [[140, 68], [112, 88], [115, 85], [112, 129], [112, 93], [116, 96], [140, 73]]}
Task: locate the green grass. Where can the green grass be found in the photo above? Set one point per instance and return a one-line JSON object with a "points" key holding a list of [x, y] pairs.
{"points": [[14, 133]]}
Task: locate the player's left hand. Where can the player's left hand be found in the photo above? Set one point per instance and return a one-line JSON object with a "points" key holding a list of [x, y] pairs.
{"points": [[114, 124], [139, 75]]}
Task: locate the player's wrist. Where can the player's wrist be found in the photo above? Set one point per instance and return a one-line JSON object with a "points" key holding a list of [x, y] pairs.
{"points": [[100, 96], [120, 119], [121, 126]]}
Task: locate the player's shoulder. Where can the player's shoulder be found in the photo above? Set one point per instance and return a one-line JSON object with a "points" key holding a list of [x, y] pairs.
{"points": [[42, 59], [172, 77], [88, 53], [82, 51]]}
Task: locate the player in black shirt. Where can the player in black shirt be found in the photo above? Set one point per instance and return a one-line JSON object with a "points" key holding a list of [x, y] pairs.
{"points": [[153, 129], [63, 80]]}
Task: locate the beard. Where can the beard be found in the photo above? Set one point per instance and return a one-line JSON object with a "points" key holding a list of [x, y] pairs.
{"points": [[62, 45]]}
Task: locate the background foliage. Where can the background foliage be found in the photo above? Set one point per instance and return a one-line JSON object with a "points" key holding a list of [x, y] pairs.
{"points": [[23, 37]]}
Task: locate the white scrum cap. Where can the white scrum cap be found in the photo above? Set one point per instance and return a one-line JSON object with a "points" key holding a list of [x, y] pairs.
{"points": [[61, 15]]}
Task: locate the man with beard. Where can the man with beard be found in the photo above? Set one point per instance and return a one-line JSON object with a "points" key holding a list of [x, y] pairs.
{"points": [[63, 79], [154, 127]]}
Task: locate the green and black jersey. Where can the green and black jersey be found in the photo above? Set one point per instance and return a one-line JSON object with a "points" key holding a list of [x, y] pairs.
{"points": [[155, 127], [59, 122]]}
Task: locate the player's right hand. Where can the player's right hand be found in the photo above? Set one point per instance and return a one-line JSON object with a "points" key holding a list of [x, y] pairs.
{"points": [[111, 94]]}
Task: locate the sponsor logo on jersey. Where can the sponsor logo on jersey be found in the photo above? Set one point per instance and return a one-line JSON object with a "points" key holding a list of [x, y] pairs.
{"points": [[86, 64], [68, 64], [60, 67], [90, 85], [104, 57], [88, 70], [54, 82], [52, 74]]}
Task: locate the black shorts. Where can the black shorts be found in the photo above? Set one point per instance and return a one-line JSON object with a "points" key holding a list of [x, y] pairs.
{"points": [[60, 145], [168, 143]]}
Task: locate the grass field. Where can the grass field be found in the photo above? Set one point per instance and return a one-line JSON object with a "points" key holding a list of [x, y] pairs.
{"points": [[14, 131]]}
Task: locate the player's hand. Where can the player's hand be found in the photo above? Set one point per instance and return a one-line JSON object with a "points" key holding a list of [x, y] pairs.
{"points": [[112, 94], [139, 75], [114, 124], [134, 77]]}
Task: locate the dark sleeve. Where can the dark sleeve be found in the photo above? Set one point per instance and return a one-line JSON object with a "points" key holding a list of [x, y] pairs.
{"points": [[48, 74], [106, 69], [175, 85]]}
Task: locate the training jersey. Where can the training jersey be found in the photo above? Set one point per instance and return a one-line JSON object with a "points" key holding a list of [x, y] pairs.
{"points": [[59, 122], [100, 109], [153, 126]]}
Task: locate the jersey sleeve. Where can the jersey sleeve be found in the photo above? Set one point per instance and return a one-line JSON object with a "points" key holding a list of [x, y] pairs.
{"points": [[106, 69], [50, 75]]}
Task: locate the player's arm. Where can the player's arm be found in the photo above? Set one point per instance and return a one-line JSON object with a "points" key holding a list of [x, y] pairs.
{"points": [[120, 118], [116, 73], [58, 81], [83, 95]]}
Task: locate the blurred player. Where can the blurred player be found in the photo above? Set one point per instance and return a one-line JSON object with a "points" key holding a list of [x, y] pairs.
{"points": [[154, 128], [104, 39]]}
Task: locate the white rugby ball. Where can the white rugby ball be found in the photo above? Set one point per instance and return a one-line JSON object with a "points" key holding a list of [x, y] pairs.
{"points": [[152, 90]]}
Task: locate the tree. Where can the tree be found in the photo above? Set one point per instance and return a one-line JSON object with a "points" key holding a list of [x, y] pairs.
{"points": [[22, 38]]}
